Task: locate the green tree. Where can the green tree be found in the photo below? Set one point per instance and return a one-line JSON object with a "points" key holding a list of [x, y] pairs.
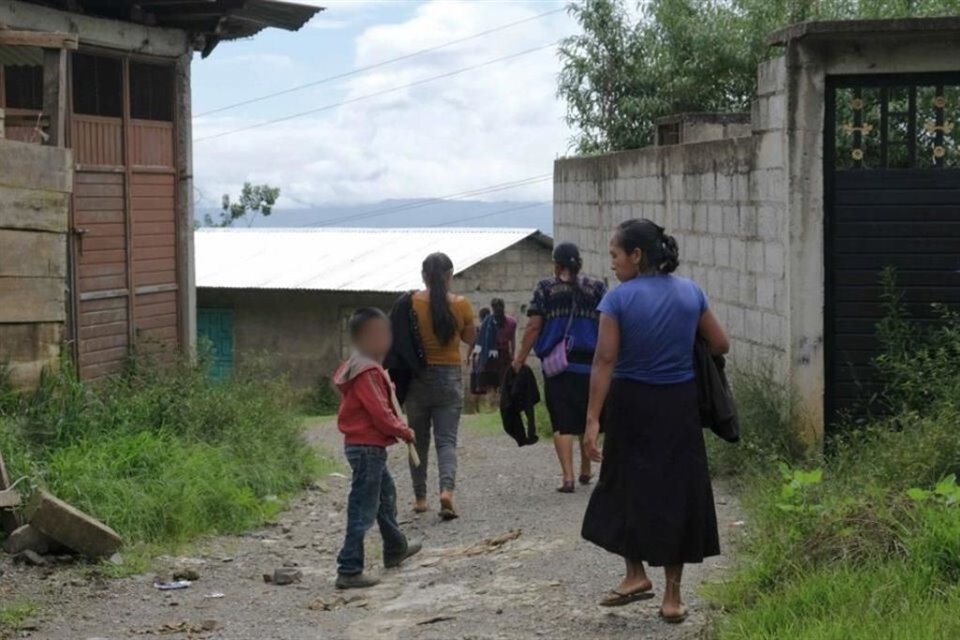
{"points": [[621, 73], [254, 200]]}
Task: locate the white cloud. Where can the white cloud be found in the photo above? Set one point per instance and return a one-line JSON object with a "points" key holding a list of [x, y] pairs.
{"points": [[496, 124]]}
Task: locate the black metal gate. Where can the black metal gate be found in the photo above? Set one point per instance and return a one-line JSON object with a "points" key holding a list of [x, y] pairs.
{"points": [[892, 178]]}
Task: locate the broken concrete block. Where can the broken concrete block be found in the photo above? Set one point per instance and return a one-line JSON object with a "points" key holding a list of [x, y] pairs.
{"points": [[71, 527], [27, 538], [9, 520], [9, 498], [31, 558]]}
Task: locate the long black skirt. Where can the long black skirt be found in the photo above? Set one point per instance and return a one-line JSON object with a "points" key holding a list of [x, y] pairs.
{"points": [[653, 501]]}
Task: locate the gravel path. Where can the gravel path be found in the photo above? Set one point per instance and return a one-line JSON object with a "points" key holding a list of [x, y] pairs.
{"points": [[541, 584]]}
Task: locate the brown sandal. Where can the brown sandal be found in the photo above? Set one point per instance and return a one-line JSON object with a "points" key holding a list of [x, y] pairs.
{"points": [[617, 599], [567, 487], [675, 619], [447, 512]]}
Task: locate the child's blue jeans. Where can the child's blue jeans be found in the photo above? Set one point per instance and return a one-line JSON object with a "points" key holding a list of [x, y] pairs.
{"points": [[373, 497]]}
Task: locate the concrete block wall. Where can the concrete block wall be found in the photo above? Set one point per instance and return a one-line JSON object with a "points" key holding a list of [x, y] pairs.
{"points": [[511, 275], [723, 200]]}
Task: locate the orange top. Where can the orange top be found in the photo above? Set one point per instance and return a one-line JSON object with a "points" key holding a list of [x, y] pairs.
{"points": [[435, 352]]}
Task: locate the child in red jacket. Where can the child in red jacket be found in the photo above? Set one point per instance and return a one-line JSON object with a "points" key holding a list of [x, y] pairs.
{"points": [[370, 423]]}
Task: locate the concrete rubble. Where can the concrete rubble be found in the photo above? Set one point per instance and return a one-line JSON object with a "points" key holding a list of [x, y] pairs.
{"points": [[51, 526], [71, 527]]}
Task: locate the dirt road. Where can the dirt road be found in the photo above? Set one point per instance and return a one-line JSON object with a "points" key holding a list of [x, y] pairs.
{"points": [[477, 579]]}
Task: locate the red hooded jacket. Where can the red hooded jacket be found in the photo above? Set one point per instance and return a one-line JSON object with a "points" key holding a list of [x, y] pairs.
{"points": [[368, 414]]}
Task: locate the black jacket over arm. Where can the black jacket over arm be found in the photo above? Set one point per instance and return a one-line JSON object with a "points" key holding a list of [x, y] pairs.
{"points": [[406, 358], [718, 411]]}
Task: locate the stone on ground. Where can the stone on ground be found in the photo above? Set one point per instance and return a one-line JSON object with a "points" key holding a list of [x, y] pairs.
{"points": [[72, 528], [26, 538]]}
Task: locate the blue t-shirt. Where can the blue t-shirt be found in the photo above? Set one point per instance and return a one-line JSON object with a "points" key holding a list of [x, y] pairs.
{"points": [[658, 318], [554, 300]]}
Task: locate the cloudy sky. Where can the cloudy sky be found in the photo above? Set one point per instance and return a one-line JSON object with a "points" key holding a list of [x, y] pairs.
{"points": [[494, 124]]}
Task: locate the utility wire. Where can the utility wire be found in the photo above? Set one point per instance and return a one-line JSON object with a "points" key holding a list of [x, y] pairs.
{"points": [[377, 65], [428, 202], [423, 81], [457, 221]]}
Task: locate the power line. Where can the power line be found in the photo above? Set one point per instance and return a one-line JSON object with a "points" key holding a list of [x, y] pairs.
{"points": [[457, 221], [427, 202], [377, 65], [376, 94]]}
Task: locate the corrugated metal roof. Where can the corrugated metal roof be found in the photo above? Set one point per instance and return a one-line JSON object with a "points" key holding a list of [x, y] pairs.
{"points": [[340, 259], [215, 20]]}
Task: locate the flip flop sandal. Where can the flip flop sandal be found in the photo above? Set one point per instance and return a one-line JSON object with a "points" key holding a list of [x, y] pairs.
{"points": [[567, 487], [677, 619], [585, 479], [617, 599], [447, 512]]}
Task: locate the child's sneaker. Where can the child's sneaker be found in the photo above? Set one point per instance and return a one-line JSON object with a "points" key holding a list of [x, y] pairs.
{"points": [[359, 581], [413, 548]]}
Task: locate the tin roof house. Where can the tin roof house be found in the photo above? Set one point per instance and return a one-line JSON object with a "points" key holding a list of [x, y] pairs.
{"points": [[96, 215], [288, 293]]}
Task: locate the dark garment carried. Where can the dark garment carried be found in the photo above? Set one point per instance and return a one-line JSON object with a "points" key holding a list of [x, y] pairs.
{"points": [[407, 357], [519, 394], [718, 410], [653, 501]]}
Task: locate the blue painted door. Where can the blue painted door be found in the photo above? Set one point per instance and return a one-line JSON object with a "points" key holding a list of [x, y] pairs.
{"points": [[215, 332]]}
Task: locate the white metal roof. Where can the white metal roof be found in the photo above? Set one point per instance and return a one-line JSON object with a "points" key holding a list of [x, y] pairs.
{"points": [[336, 259]]}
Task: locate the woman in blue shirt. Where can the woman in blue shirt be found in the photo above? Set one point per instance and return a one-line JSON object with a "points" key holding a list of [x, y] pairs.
{"points": [[654, 501], [564, 310]]}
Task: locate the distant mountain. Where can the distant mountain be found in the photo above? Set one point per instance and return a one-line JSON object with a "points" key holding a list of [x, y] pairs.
{"points": [[411, 213]]}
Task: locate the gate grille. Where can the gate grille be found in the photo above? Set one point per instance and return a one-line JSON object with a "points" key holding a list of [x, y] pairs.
{"points": [[892, 182]]}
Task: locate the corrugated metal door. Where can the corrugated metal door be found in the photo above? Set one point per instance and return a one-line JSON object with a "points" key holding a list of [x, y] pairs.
{"points": [[893, 201], [124, 212]]}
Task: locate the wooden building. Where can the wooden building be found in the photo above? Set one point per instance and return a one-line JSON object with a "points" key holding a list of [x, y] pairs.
{"points": [[107, 82]]}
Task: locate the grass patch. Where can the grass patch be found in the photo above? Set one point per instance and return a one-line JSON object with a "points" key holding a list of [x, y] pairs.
{"points": [[162, 456], [863, 544], [14, 615], [488, 422]]}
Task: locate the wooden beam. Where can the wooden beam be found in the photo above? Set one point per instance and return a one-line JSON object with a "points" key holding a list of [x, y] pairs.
{"points": [[55, 94], [96, 32], [43, 39]]}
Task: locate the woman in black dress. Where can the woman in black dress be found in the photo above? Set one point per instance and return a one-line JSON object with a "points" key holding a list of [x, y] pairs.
{"points": [[654, 501]]}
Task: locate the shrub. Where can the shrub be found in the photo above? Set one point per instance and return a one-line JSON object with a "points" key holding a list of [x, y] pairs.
{"points": [[162, 455], [323, 400], [876, 529]]}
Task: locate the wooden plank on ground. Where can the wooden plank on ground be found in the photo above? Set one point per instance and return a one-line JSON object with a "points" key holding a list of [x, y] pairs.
{"points": [[42, 39], [34, 209], [32, 300], [33, 254]]}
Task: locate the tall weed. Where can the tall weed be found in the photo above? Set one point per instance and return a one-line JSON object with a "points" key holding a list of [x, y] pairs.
{"points": [[878, 532], [161, 454]]}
